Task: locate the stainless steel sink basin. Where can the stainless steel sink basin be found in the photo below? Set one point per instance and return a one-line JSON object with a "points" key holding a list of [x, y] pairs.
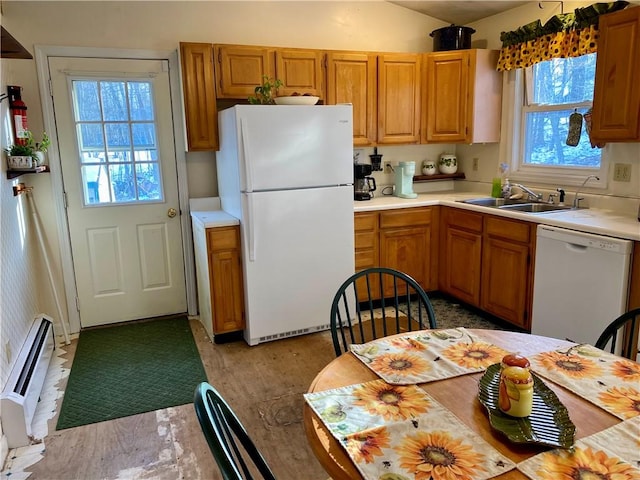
{"points": [[493, 202], [535, 207]]}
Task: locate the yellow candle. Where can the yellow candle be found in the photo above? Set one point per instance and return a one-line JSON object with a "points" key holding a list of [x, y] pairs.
{"points": [[515, 395]]}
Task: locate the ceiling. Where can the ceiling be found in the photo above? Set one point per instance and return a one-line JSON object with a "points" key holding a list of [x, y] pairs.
{"points": [[456, 12]]}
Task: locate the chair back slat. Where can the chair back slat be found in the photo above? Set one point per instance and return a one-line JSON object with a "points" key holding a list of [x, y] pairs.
{"points": [[225, 435], [621, 335], [384, 301]]}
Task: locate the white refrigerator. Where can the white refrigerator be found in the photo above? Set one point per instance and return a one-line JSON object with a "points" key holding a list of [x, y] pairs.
{"points": [[286, 172]]}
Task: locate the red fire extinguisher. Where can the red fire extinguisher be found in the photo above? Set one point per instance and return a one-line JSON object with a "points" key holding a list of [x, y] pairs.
{"points": [[18, 114]]}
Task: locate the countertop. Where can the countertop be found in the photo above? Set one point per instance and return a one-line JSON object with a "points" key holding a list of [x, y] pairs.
{"points": [[213, 218], [590, 220]]}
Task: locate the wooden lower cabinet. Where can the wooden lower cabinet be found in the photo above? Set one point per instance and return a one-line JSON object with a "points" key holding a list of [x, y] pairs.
{"points": [[485, 261], [506, 270], [402, 239], [219, 274], [225, 272], [461, 254]]}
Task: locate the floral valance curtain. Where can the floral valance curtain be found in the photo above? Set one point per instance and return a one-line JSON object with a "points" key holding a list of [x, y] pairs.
{"points": [[566, 35]]}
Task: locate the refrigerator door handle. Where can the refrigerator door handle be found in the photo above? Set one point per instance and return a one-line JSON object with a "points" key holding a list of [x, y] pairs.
{"points": [[251, 235], [244, 135]]}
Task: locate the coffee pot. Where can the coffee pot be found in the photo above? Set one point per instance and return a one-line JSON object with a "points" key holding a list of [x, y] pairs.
{"points": [[363, 184]]}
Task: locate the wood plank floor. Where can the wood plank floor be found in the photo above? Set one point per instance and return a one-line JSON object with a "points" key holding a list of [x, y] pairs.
{"points": [[264, 384]]}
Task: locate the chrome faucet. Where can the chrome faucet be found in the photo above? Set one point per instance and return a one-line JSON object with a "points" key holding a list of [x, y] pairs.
{"points": [[576, 200], [531, 194]]}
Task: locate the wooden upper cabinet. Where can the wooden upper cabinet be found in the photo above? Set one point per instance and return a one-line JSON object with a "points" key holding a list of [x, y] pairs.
{"points": [[399, 90], [301, 71], [616, 98], [199, 93], [239, 69], [463, 97], [352, 78]]}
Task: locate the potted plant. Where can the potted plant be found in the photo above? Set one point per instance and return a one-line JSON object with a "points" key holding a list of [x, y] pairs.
{"points": [[29, 155], [264, 94]]}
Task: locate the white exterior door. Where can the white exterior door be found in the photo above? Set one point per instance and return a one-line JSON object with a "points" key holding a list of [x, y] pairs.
{"points": [[115, 135]]}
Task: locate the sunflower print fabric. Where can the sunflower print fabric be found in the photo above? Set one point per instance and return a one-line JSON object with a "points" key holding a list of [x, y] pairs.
{"points": [[427, 355], [400, 432], [613, 453], [608, 381]]}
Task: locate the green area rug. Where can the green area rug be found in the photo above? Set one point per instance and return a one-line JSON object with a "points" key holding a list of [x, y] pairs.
{"points": [[128, 369]]}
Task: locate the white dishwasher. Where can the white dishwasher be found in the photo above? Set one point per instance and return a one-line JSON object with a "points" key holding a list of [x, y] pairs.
{"points": [[580, 283]]}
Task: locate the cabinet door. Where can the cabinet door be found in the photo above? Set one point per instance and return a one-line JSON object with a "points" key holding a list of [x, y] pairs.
{"points": [[239, 69], [616, 97], [199, 92], [399, 98], [461, 265], [352, 78], [225, 274], [505, 267], [406, 242], [301, 71], [447, 97], [506, 270], [367, 247], [407, 250]]}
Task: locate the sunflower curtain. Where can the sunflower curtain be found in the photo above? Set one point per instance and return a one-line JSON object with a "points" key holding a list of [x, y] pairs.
{"points": [[567, 35]]}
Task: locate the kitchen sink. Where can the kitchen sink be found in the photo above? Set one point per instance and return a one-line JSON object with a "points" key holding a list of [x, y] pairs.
{"points": [[493, 202], [535, 207]]}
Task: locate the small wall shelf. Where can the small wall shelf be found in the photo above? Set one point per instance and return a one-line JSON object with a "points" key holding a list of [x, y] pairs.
{"points": [[440, 176], [16, 173]]}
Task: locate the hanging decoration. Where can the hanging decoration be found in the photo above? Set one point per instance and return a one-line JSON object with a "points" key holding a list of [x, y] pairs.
{"points": [[575, 129], [566, 35]]}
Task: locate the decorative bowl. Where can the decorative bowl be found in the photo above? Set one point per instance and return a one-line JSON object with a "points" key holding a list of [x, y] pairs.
{"points": [[297, 100]]}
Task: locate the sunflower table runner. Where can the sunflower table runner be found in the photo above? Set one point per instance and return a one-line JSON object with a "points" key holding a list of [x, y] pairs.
{"points": [[427, 355], [396, 431], [611, 453], [608, 381]]}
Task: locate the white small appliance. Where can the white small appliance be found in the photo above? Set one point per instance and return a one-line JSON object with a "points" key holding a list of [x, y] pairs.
{"points": [[404, 173], [287, 173], [581, 283]]}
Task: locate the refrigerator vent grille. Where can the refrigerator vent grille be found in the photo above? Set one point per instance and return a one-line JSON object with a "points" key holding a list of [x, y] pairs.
{"points": [[294, 333]]}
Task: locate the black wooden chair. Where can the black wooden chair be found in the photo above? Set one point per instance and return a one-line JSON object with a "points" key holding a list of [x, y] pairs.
{"points": [[377, 302], [229, 442], [621, 335]]}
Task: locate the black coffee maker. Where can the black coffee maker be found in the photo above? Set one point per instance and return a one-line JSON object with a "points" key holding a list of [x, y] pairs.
{"points": [[363, 185]]}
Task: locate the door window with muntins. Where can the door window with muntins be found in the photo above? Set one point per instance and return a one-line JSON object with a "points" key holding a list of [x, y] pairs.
{"points": [[117, 143]]}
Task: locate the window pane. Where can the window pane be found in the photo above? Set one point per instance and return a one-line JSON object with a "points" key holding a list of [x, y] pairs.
{"points": [[545, 142], [564, 80], [90, 135], [87, 105], [122, 182], [96, 185], [144, 135], [148, 178], [114, 101], [140, 101]]}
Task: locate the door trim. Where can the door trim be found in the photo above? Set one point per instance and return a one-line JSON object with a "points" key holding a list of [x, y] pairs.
{"points": [[42, 54]]}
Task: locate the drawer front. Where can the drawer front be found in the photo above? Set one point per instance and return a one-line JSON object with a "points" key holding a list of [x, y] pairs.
{"points": [[364, 240], [405, 217], [509, 229], [365, 259], [223, 238], [465, 220], [365, 221]]}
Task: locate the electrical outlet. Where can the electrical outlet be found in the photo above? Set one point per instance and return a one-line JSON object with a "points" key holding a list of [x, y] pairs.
{"points": [[388, 167], [475, 164], [622, 172]]}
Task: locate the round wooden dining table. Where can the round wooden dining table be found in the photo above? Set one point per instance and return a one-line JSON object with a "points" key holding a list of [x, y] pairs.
{"points": [[460, 396]]}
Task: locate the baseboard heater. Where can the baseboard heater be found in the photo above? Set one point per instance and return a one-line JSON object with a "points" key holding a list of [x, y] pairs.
{"points": [[20, 397]]}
